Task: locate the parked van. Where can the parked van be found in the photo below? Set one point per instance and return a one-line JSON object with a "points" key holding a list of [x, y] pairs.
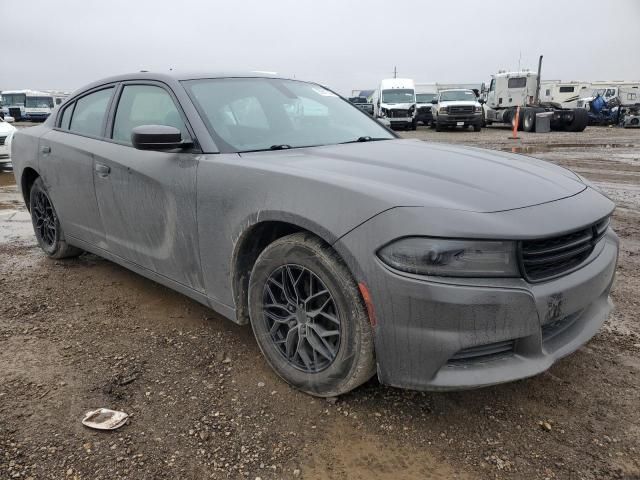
{"points": [[425, 94], [395, 102]]}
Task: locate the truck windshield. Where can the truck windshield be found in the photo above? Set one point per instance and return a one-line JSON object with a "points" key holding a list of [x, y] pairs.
{"points": [[398, 95], [39, 102], [11, 99], [458, 95], [250, 114], [425, 97]]}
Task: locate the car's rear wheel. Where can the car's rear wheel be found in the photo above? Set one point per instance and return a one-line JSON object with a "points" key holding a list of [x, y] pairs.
{"points": [[46, 224], [308, 317]]}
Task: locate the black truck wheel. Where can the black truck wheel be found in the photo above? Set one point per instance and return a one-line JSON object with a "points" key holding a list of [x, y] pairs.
{"points": [[579, 122]]}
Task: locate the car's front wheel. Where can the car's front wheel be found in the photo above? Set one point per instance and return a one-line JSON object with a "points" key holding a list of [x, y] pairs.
{"points": [[46, 224], [308, 317]]}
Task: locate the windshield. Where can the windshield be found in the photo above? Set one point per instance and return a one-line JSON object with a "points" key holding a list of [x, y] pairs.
{"points": [[11, 99], [398, 95], [457, 95], [425, 97], [358, 100], [39, 102], [245, 114]]}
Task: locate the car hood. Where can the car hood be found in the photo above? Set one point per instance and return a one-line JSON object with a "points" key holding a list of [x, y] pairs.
{"points": [[462, 103], [417, 173], [6, 128], [397, 105]]}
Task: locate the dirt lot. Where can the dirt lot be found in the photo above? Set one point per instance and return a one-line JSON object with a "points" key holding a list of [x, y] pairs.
{"points": [[85, 333]]}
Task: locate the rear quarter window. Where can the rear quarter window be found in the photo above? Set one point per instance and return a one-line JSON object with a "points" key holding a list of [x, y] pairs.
{"points": [[65, 119]]}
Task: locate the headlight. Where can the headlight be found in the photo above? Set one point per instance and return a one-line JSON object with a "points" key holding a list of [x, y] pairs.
{"points": [[443, 110], [383, 112], [452, 258], [478, 109]]}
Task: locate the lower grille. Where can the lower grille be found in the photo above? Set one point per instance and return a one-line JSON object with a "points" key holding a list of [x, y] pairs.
{"points": [[548, 258], [483, 353], [2, 139], [395, 113], [15, 113], [461, 109], [553, 329]]}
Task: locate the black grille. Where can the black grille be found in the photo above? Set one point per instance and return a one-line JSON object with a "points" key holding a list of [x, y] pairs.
{"points": [[15, 112], [461, 109], [548, 258], [555, 328], [2, 139], [397, 113], [481, 353]]}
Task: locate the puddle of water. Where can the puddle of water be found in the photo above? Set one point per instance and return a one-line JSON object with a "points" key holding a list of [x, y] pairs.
{"points": [[15, 226], [550, 147]]}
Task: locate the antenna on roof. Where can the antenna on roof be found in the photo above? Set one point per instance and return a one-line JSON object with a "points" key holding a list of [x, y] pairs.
{"points": [[395, 72], [519, 60]]}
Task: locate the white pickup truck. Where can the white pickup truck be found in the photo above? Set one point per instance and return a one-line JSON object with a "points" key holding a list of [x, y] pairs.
{"points": [[456, 108]]}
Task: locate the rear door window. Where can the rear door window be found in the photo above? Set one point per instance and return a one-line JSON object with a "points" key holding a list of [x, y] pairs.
{"points": [[145, 105], [90, 112], [517, 82]]}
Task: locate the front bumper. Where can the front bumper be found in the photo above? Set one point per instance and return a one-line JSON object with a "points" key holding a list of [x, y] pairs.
{"points": [[451, 334], [452, 119]]}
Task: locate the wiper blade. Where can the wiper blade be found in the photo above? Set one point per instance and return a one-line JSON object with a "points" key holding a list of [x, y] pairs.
{"points": [[367, 139], [282, 146]]}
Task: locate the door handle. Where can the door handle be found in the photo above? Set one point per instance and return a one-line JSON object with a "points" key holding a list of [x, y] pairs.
{"points": [[103, 170], [45, 149]]}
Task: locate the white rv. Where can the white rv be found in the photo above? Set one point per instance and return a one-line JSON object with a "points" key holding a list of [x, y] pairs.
{"points": [[625, 93], [565, 94], [28, 104], [395, 102]]}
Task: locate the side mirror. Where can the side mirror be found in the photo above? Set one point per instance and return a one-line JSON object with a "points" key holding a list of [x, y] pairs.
{"points": [[434, 101], [157, 137], [481, 101]]}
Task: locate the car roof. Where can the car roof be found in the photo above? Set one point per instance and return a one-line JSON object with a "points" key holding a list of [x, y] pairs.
{"points": [[172, 77]]}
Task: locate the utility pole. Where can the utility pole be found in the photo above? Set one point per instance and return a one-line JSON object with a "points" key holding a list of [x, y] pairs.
{"points": [[395, 72]]}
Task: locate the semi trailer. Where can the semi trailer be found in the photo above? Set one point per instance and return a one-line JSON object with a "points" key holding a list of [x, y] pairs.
{"points": [[509, 90]]}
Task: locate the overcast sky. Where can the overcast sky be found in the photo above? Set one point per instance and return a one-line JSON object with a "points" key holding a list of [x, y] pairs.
{"points": [[63, 44]]}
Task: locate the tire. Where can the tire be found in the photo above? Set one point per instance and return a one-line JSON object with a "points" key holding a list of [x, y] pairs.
{"points": [[529, 120], [46, 224], [477, 127], [438, 127], [580, 120], [432, 124], [348, 359], [414, 125]]}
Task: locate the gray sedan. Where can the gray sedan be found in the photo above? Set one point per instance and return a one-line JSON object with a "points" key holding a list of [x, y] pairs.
{"points": [[349, 251]]}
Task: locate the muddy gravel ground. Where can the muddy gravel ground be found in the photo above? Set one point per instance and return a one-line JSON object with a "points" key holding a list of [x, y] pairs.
{"points": [[85, 333]]}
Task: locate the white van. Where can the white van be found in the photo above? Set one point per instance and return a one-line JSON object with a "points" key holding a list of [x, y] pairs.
{"points": [[395, 102]]}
